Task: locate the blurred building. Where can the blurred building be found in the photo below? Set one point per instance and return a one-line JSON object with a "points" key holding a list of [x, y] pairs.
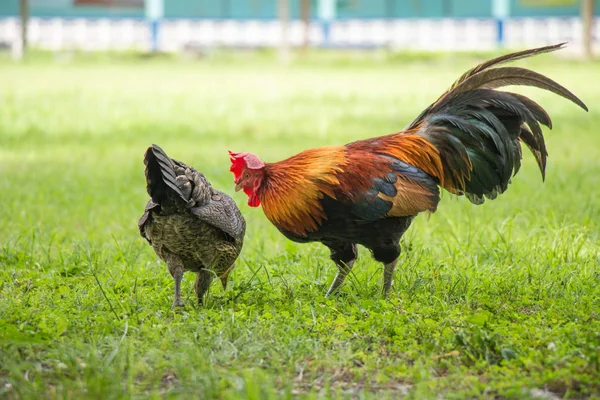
{"points": [[422, 24]]}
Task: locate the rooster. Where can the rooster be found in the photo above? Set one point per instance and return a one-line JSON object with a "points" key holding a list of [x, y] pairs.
{"points": [[190, 225], [467, 142]]}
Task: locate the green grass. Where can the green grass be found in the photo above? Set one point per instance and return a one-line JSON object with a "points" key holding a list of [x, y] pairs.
{"points": [[497, 300]]}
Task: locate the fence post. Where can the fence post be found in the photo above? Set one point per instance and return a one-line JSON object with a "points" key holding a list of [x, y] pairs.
{"points": [[500, 11], [326, 11], [154, 12]]}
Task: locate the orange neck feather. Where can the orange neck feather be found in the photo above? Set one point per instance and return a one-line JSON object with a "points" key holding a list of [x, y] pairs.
{"points": [[292, 188]]}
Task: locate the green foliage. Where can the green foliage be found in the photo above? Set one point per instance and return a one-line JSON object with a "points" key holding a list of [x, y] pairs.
{"points": [[498, 300]]}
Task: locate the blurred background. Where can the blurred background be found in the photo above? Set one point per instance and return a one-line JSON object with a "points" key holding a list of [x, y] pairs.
{"points": [[87, 85], [199, 25]]}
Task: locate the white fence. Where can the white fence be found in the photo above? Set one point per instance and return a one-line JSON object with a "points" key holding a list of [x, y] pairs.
{"points": [[177, 35]]}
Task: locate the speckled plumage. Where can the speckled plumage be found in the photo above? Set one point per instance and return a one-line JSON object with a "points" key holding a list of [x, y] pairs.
{"points": [[190, 225]]}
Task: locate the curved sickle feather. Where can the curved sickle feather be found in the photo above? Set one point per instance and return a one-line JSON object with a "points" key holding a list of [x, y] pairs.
{"points": [[483, 77], [506, 58], [505, 76]]}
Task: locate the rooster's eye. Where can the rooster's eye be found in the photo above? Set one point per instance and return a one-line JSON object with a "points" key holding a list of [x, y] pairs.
{"points": [[246, 175]]}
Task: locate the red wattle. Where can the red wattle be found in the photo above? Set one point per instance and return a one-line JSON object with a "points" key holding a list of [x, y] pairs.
{"points": [[253, 200]]}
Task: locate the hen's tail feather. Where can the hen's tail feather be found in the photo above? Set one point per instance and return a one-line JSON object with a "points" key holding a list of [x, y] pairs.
{"points": [[478, 131], [161, 180]]}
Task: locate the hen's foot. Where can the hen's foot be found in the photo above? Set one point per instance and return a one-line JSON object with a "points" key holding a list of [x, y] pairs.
{"points": [[177, 303]]}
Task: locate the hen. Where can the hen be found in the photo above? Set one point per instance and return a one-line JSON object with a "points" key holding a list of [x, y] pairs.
{"points": [[190, 225], [368, 192]]}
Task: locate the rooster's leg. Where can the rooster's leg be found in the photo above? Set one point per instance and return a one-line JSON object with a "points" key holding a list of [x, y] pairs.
{"points": [[202, 283], [388, 274], [343, 254], [175, 266], [343, 271], [387, 253]]}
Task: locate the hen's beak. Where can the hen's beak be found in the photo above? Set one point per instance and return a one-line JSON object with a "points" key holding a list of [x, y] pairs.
{"points": [[238, 187]]}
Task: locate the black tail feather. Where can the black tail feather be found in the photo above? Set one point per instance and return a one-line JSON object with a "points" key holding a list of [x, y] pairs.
{"points": [[479, 130], [161, 182]]}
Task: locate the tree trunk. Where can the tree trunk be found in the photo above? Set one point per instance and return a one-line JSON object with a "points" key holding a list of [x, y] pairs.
{"points": [[284, 21], [21, 44], [587, 19], [305, 16]]}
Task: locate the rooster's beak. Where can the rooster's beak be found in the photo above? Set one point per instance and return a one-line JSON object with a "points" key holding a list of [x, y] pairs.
{"points": [[238, 187]]}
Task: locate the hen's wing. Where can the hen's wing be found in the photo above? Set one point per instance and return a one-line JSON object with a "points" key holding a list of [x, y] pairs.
{"points": [[222, 212], [147, 218]]}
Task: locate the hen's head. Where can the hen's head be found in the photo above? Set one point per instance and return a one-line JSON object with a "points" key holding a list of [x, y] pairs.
{"points": [[248, 175]]}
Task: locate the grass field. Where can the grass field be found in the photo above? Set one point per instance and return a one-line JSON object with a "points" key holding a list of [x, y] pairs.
{"points": [[499, 300]]}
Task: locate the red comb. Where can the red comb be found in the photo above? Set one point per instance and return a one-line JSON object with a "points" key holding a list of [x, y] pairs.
{"points": [[250, 160], [240, 161]]}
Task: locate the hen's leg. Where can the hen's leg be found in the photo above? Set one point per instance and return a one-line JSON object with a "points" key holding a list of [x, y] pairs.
{"points": [[175, 266], [202, 283], [343, 254]]}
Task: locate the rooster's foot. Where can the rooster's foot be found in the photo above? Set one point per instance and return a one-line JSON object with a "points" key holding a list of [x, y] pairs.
{"points": [[343, 271], [388, 275]]}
